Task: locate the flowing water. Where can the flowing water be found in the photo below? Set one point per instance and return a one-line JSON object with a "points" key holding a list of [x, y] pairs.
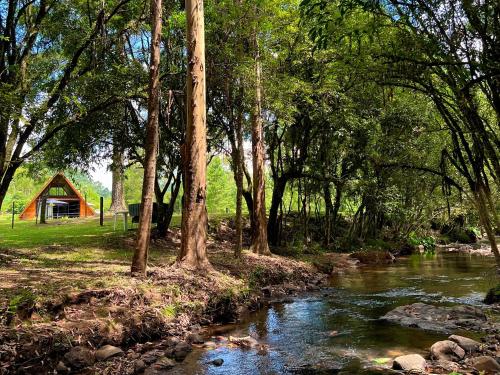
{"points": [[339, 327]]}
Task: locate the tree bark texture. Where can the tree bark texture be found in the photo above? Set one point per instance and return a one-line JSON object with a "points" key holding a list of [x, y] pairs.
{"points": [[139, 262], [194, 213]]}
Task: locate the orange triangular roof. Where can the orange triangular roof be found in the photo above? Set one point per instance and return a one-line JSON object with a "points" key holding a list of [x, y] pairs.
{"points": [[71, 186]]}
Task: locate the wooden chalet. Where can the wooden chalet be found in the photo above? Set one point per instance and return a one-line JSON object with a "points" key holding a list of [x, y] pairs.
{"points": [[62, 200]]}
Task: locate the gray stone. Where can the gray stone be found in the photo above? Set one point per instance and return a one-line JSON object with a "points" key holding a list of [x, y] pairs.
{"points": [[79, 357], [218, 362], [469, 345], [447, 350], [160, 367], [195, 338], [151, 356], [108, 351], [486, 364], [180, 351], [410, 362]]}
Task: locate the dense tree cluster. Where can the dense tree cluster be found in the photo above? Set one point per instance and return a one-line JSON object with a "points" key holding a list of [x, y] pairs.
{"points": [[344, 121]]}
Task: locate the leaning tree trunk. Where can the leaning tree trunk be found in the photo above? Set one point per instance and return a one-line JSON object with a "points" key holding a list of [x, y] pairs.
{"points": [[274, 220], [259, 235], [193, 254], [174, 192], [140, 259], [117, 172], [485, 220]]}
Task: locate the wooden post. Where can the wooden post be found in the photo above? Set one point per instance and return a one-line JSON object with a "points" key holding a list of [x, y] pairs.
{"points": [[85, 204], [12, 215], [101, 211]]}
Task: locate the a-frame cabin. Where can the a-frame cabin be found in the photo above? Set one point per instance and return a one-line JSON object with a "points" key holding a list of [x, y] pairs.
{"points": [[62, 200]]}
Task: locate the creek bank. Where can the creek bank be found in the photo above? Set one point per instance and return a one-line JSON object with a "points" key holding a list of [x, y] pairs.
{"points": [[150, 325]]}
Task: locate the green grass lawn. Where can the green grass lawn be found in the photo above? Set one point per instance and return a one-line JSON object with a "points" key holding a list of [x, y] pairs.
{"points": [[64, 232], [73, 254]]}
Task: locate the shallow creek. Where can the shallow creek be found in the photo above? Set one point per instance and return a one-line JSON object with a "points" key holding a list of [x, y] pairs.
{"points": [[338, 328]]}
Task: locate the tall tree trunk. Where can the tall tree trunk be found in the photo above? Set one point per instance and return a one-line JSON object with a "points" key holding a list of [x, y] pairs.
{"points": [[328, 213], [193, 252], [117, 172], [259, 235], [139, 262], [239, 186], [336, 206], [43, 211]]}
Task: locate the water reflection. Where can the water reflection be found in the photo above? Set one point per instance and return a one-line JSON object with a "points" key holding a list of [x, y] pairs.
{"points": [[299, 334]]}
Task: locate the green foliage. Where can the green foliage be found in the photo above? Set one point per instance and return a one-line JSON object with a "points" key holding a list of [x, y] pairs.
{"points": [[428, 242]]}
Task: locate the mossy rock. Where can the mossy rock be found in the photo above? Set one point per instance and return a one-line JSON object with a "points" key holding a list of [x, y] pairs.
{"points": [[493, 295], [461, 235]]}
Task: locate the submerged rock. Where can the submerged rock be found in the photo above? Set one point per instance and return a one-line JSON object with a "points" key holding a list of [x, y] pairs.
{"points": [[441, 318], [447, 350], [247, 341], [218, 362], [410, 362]]}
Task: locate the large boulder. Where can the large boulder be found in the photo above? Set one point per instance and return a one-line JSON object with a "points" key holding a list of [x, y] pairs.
{"points": [[441, 318], [485, 364], [410, 362], [469, 345], [447, 350]]}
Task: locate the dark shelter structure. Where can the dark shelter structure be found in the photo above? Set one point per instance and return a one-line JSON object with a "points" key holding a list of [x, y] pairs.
{"points": [[60, 198]]}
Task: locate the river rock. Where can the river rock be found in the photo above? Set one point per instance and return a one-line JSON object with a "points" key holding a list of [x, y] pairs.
{"points": [[469, 345], [160, 367], [447, 350], [139, 366], [180, 351], [218, 362], [441, 318], [79, 357], [410, 362], [486, 364], [108, 351], [151, 356], [247, 341], [444, 367], [195, 338]]}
